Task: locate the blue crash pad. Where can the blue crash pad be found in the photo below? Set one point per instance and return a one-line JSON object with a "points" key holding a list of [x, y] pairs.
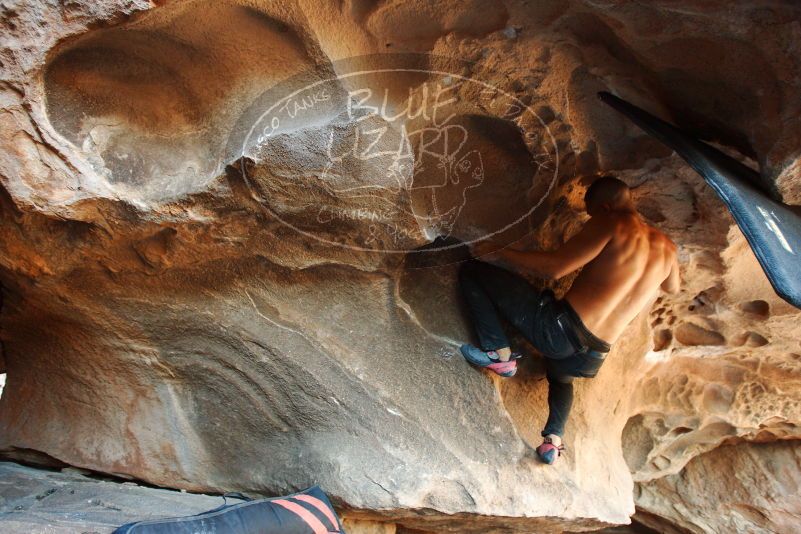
{"points": [[307, 512], [771, 228]]}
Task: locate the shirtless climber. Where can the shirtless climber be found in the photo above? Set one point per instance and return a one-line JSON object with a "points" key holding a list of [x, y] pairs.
{"points": [[624, 264]]}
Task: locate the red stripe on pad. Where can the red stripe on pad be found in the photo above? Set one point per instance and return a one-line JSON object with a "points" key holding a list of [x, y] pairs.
{"points": [[310, 519], [320, 505]]}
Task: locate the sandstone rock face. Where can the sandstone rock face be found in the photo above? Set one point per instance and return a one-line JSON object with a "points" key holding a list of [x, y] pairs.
{"points": [[66, 501], [201, 298], [771, 467]]}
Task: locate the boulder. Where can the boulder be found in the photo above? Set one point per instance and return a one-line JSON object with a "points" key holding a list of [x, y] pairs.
{"points": [[229, 234]]}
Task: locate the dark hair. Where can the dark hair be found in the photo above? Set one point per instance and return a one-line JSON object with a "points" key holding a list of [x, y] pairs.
{"points": [[606, 189]]}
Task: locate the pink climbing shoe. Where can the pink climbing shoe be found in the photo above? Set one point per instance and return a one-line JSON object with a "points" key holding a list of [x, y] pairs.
{"points": [[489, 360], [548, 452]]}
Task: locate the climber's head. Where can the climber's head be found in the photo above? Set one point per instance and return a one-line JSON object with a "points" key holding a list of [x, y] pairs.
{"points": [[606, 194]]}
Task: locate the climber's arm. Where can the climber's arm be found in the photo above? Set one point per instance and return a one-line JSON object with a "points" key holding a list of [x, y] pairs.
{"points": [[577, 252]]}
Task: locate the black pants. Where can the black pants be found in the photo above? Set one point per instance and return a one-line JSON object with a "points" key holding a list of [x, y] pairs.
{"points": [[491, 293]]}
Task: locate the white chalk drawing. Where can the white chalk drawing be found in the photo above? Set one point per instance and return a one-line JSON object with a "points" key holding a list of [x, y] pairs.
{"points": [[416, 150]]}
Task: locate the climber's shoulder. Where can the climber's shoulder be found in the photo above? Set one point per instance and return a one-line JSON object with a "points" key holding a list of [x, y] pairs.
{"points": [[660, 245], [629, 228], [632, 222], [659, 238], [619, 224]]}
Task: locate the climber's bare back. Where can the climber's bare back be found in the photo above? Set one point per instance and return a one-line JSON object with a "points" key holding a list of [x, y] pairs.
{"points": [[625, 276]]}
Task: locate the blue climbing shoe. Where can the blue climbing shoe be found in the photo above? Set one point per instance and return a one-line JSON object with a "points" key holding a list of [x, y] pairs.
{"points": [[490, 360], [548, 452]]}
